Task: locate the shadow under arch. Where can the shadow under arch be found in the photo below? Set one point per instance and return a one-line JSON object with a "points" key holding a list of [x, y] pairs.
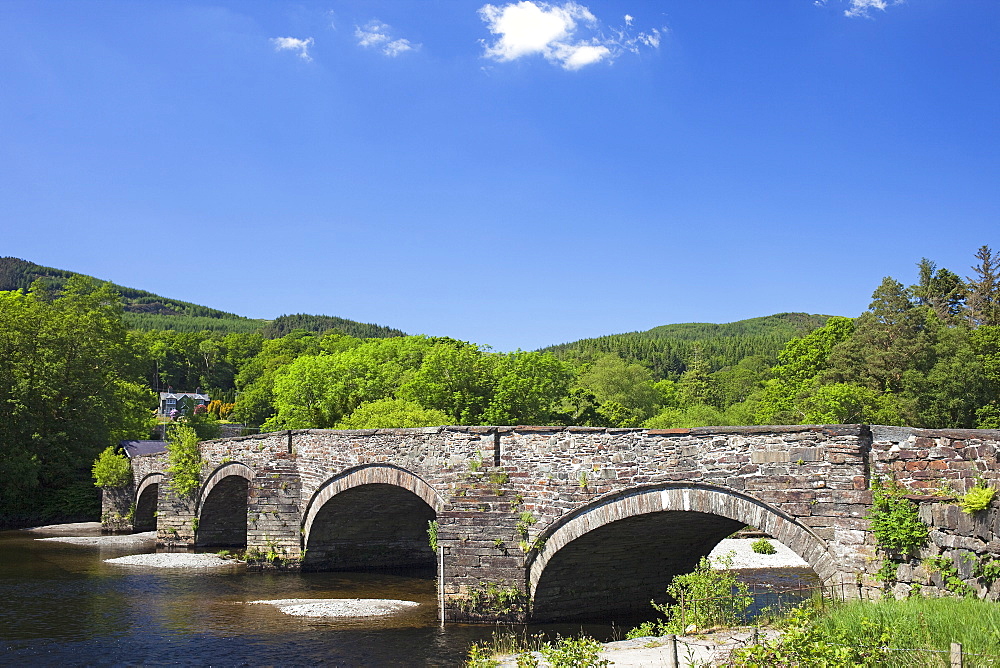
{"points": [[370, 517], [147, 494], [620, 551], [222, 507]]}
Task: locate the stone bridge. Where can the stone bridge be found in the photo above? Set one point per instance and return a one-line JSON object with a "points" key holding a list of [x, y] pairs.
{"points": [[547, 523]]}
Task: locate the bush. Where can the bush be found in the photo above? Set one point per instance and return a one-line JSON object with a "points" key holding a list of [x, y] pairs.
{"points": [[582, 652], [894, 520], [977, 498], [185, 460], [705, 597], [763, 546], [112, 469]]}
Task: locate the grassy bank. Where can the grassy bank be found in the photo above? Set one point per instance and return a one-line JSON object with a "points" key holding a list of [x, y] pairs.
{"points": [[912, 632]]}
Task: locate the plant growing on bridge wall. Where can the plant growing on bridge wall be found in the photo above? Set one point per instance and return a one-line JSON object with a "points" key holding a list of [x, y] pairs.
{"points": [[896, 525], [111, 469], [978, 497], [185, 460], [950, 577], [491, 599], [432, 534], [894, 519]]}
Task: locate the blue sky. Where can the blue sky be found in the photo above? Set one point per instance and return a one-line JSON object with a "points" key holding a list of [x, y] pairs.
{"points": [[512, 174]]}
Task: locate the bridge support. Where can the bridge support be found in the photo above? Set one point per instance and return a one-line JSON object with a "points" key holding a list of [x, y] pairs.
{"points": [[274, 540], [117, 509]]}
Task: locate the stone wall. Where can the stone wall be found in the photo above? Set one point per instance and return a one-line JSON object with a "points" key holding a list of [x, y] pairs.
{"points": [[938, 465]]}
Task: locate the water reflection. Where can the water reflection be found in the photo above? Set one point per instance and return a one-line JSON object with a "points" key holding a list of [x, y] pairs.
{"points": [[63, 604]]}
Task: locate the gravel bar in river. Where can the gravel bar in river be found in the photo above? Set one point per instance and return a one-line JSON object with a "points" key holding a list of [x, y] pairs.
{"points": [[340, 607], [173, 560]]}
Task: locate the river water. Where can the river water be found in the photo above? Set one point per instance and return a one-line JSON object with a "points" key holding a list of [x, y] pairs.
{"points": [[62, 604]]}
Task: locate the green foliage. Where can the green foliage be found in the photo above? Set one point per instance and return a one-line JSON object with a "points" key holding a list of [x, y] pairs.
{"points": [[69, 387], [894, 520], [763, 546], [950, 577], [112, 469], [912, 632], [185, 460], [432, 534], [978, 498], [192, 323], [706, 597], [386, 413], [667, 350], [625, 392], [528, 388], [321, 324], [582, 652], [491, 599]]}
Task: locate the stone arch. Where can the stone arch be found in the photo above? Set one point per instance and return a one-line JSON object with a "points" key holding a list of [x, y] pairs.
{"points": [[222, 506], [372, 516], [147, 494], [699, 515]]}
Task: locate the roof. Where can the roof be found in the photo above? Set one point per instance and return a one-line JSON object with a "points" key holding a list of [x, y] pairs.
{"points": [[136, 448], [178, 395]]}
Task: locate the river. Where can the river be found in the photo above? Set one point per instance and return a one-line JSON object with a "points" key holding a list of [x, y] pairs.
{"points": [[62, 604]]}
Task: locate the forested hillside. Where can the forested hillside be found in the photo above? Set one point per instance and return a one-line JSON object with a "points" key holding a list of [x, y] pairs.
{"points": [[665, 350], [147, 311]]}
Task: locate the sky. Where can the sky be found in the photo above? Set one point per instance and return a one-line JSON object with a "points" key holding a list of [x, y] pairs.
{"points": [[514, 174]]}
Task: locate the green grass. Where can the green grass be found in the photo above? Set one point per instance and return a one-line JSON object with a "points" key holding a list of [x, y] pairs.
{"points": [[930, 623], [914, 632]]}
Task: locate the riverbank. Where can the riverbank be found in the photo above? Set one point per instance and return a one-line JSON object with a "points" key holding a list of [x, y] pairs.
{"points": [[710, 649]]}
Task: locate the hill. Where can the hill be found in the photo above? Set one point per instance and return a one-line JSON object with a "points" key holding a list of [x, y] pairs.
{"points": [[145, 310], [667, 349]]}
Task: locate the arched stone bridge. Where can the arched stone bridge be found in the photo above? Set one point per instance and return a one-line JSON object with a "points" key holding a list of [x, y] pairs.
{"points": [[560, 522]]}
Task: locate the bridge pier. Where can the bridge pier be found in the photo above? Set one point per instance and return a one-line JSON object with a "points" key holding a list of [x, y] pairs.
{"points": [[118, 509], [273, 517], [176, 517]]}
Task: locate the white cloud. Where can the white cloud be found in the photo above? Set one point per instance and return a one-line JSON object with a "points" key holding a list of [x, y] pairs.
{"points": [[568, 34], [376, 35], [299, 46], [863, 7]]}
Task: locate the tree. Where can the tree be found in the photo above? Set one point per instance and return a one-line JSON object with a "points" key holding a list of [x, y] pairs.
{"points": [[625, 392], [185, 460], [453, 378], [695, 385], [889, 339], [528, 389], [111, 469], [984, 289], [70, 386], [389, 413]]}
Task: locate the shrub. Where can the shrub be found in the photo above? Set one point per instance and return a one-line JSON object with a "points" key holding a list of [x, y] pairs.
{"points": [[582, 652], [112, 469], [185, 460], [977, 498], [894, 520], [705, 597], [763, 546]]}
